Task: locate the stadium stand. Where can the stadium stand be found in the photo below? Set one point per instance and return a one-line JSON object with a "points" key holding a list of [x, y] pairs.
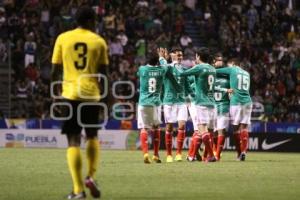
{"points": [[264, 35]]}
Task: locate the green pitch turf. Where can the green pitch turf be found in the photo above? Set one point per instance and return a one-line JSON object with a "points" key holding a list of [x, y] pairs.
{"points": [[41, 174]]}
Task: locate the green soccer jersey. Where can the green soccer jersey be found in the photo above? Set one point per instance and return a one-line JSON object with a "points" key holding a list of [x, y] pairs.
{"points": [[221, 94], [151, 81], [191, 90], [204, 76], [176, 87], [240, 83]]}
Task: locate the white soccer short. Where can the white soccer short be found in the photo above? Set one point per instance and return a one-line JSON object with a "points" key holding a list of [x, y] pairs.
{"points": [[148, 116], [206, 115], [222, 121], [241, 114], [193, 113], [176, 112]]}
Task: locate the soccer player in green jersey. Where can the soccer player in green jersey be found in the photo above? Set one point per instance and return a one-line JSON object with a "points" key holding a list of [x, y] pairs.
{"points": [[149, 107], [221, 95], [204, 75], [240, 105], [174, 101]]}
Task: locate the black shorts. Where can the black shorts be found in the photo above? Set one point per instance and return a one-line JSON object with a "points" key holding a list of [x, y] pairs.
{"points": [[89, 115]]}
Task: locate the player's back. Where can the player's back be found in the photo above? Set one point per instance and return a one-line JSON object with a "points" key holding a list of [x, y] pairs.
{"points": [[151, 81], [240, 82], [221, 94], [204, 82], [82, 52]]}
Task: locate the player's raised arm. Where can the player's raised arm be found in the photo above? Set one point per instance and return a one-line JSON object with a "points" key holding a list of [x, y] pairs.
{"points": [[224, 70], [192, 71], [161, 53]]}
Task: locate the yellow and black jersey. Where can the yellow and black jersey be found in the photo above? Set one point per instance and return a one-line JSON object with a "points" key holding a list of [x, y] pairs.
{"points": [[81, 52]]}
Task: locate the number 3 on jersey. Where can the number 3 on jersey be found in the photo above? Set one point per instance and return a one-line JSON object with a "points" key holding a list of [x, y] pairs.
{"points": [[81, 49], [152, 85]]}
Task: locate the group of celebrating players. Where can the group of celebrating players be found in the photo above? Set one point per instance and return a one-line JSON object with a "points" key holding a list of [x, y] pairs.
{"points": [[211, 92]]}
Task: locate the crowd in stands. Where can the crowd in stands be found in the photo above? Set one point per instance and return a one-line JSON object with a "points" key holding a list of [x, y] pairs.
{"points": [[263, 34]]}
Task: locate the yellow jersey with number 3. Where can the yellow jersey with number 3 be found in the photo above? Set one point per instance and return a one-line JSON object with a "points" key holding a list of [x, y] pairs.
{"points": [[81, 52]]}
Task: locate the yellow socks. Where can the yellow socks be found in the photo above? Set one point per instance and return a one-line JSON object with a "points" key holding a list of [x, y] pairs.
{"points": [[75, 167], [92, 155]]}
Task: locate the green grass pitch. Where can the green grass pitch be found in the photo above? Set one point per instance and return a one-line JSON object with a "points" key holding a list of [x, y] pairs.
{"points": [[41, 174]]}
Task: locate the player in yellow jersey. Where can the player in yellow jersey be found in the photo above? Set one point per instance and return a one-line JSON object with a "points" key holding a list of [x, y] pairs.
{"points": [[79, 56]]}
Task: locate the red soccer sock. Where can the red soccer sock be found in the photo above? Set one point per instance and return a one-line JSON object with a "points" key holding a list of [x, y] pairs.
{"points": [[244, 140], [156, 141], [221, 140], [237, 141], [196, 143], [191, 147], [215, 143], [180, 139], [207, 143], [168, 142], [204, 153], [144, 140]]}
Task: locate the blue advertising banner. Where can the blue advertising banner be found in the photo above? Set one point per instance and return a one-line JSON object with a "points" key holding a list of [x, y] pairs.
{"points": [[283, 128], [256, 126]]}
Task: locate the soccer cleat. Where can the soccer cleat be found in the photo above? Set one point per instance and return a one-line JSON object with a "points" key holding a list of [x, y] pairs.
{"points": [[80, 195], [169, 159], [215, 153], [198, 157], [147, 159], [211, 159], [94, 190], [178, 157], [190, 159], [156, 159], [242, 156]]}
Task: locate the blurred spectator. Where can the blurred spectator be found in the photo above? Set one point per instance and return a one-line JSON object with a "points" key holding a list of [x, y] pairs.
{"points": [[110, 21], [264, 35], [3, 51], [140, 46], [185, 40], [122, 38], [30, 47], [32, 74]]}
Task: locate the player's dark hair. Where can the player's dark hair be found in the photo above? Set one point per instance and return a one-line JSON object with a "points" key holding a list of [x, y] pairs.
{"points": [[153, 58], [234, 61], [204, 54], [84, 16], [175, 49], [218, 54]]}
